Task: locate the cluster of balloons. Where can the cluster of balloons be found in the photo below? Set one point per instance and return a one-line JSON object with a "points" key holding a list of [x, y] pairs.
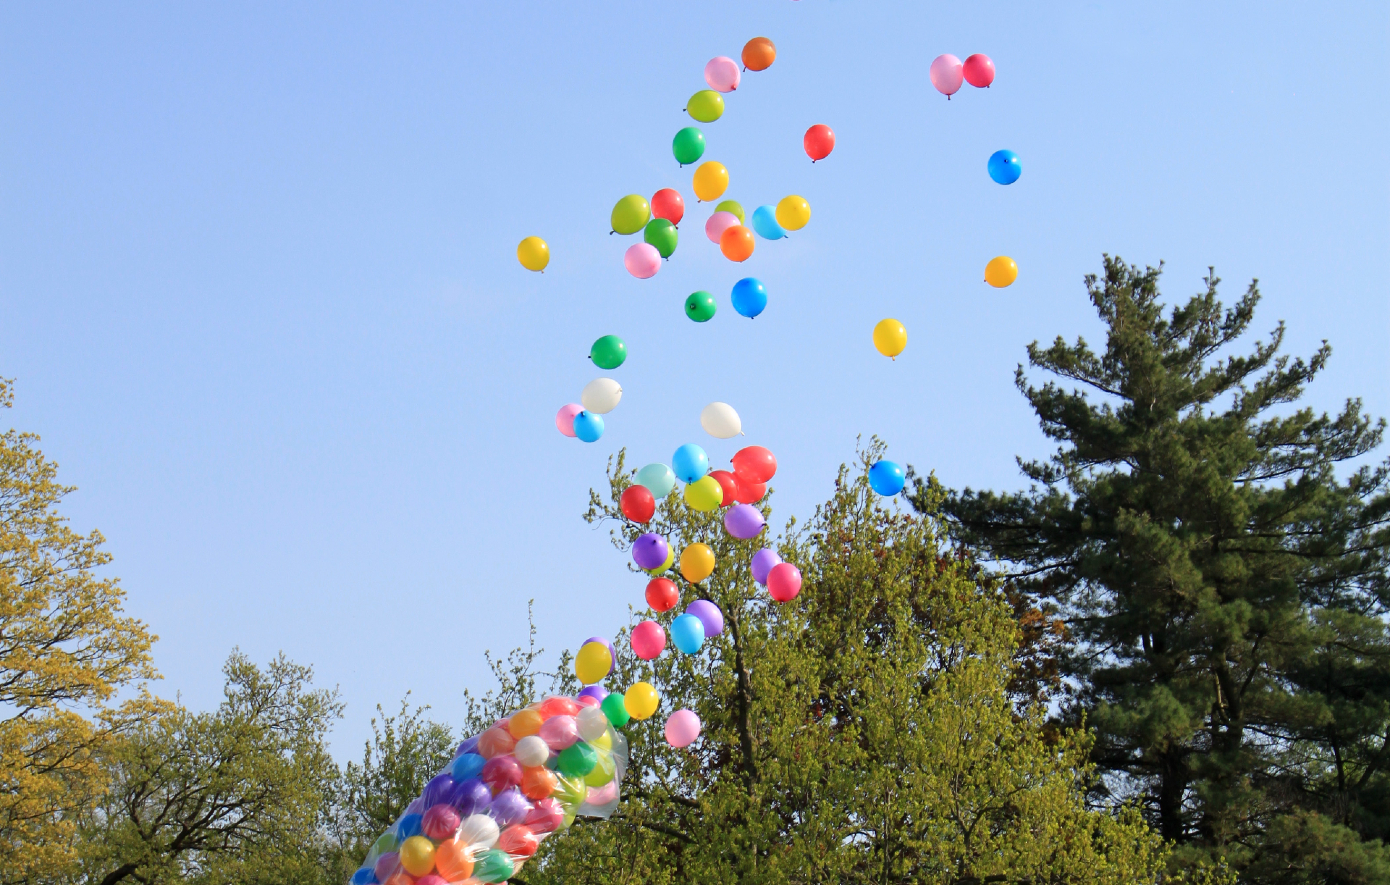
{"points": [[947, 72], [529, 775], [584, 420]]}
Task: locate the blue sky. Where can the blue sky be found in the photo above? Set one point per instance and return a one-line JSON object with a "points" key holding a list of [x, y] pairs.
{"points": [[260, 295]]}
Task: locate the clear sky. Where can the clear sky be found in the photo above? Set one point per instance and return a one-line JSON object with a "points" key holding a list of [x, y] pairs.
{"points": [[260, 293]]}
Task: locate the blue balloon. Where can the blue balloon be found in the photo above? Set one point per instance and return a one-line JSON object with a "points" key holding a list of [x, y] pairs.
{"points": [[749, 297], [765, 223], [887, 478], [364, 876], [409, 825], [688, 633], [690, 462], [466, 766], [1004, 167], [588, 426]]}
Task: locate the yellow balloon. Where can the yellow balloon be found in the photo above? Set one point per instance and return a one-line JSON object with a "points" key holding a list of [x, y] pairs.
{"points": [[670, 561], [603, 770], [793, 212], [1001, 271], [592, 663], [603, 742], [417, 855], [704, 495], [705, 106], [640, 701], [890, 337], [533, 253], [697, 560], [711, 180]]}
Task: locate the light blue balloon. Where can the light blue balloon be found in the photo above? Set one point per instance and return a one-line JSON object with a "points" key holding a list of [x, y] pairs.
{"points": [[887, 478], [749, 297], [688, 633], [658, 479], [765, 223], [588, 426], [690, 463], [1005, 167]]}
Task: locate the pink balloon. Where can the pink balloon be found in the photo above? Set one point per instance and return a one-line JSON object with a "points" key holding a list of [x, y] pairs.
{"points": [[784, 582], [559, 732], [978, 70], [722, 74], [946, 74], [642, 260], [718, 223], [648, 640], [602, 795], [682, 728], [564, 419]]}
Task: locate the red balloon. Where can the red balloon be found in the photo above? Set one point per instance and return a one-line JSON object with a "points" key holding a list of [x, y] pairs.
{"points": [[667, 204], [819, 142], [784, 582], [978, 70], [637, 503], [754, 464], [662, 594], [750, 492], [729, 483]]}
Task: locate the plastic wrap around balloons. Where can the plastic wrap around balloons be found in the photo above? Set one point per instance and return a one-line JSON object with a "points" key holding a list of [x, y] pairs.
{"points": [[486, 812]]}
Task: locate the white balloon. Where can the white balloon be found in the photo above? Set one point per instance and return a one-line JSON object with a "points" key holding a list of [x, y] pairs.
{"points": [[720, 421], [593, 724], [478, 831], [601, 395], [531, 751]]}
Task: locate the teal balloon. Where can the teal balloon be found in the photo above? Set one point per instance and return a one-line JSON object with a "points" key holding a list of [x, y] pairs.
{"points": [[608, 352], [658, 478], [493, 865], [688, 145], [700, 306], [662, 234], [765, 223], [688, 633]]}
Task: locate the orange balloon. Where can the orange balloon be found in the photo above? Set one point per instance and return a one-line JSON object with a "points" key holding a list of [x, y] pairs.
{"points": [[525, 723], [537, 783], [736, 243], [496, 741], [759, 54], [453, 860]]}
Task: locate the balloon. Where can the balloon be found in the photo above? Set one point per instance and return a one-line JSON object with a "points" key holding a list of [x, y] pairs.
{"points": [[887, 478], [697, 563], [524, 723], [531, 751], [784, 582], [736, 243], [547, 817], [471, 796], [750, 492], [561, 706], [478, 831], [649, 551], [591, 693], [588, 426], [688, 145], [496, 741], [510, 807], [978, 70], [518, 840], [689, 463], [659, 479], [417, 855], [533, 253], [493, 866], [630, 214], [759, 54], [890, 337], [662, 234], [466, 765], [648, 640], [665, 563], [1001, 271], [705, 106], [687, 633], [502, 772], [564, 419], [453, 860], [386, 863], [728, 485], [591, 721], [608, 352], [700, 306], [615, 708], [721, 74], [720, 421], [592, 663], [744, 521], [704, 494], [762, 563], [560, 732], [668, 204], [1004, 167], [946, 74], [640, 701], [637, 503], [754, 464], [749, 297], [765, 223], [709, 614], [733, 207], [642, 260], [662, 594], [818, 141], [682, 728], [718, 223], [710, 181], [793, 212]]}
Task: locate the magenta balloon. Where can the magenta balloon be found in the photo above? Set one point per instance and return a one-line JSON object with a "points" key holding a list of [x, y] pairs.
{"points": [[564, 419], [709, 615], [648, 640], [649, 551], [946, 74], [722, 74], [559, 732], [744, 521], [762, 563], [682, 728], [718, 223], [642, 260]]}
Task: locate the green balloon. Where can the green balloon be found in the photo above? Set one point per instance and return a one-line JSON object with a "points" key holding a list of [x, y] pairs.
{"points": [[615, 710], [688, 145], [700, 306], [608, 352], [661, 234], [493, 865], [384, 843], [630, 214], [731, 206], [705, 106], [577, 759]]}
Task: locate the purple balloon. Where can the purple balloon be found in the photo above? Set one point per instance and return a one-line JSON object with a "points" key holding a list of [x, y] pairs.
{"points": [[650, 551], [468, 746], [744, 521], [763, 561], [471, 796], [597, 692], [438, 789], [510, 807], [709, 615]]}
